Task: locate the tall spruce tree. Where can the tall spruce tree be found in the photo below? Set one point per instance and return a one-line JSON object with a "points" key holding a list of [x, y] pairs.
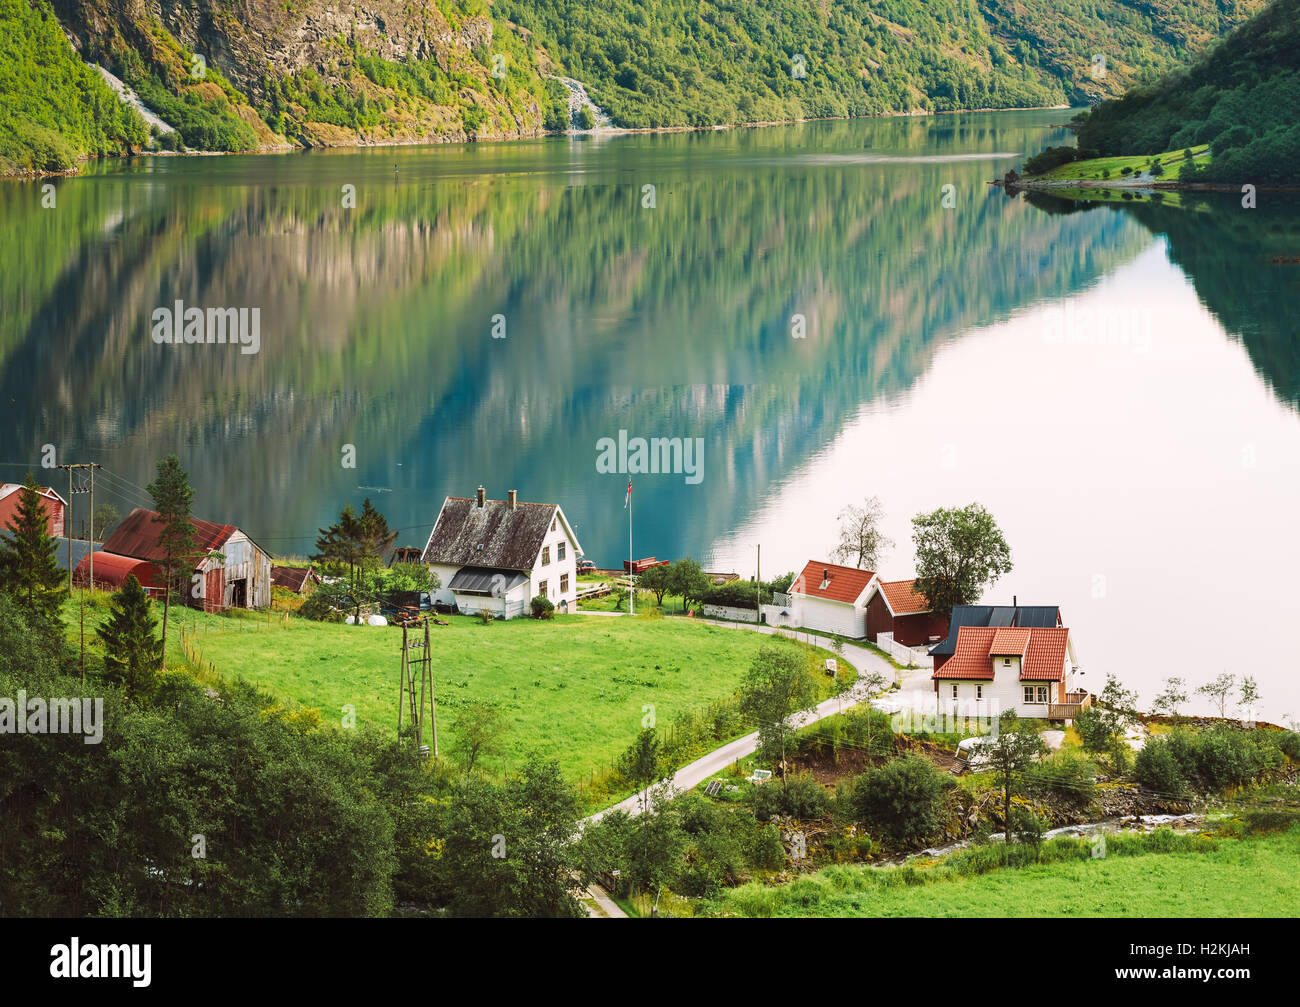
{"points": [[172, 499], [29, 565], [134, 653]]}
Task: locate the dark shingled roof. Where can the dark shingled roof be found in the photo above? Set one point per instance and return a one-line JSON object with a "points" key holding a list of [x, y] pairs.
{"points": [[1031, 616], [492, 536]]}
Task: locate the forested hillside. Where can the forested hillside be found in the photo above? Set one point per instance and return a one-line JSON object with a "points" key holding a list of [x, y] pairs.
{"points": [[674, 62], [54, 107], [249, 74], [1241, 98]]}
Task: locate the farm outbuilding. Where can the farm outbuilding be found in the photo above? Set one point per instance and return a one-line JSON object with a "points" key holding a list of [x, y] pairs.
{"points": [[232, 572], [112, 570], [56, 508]]}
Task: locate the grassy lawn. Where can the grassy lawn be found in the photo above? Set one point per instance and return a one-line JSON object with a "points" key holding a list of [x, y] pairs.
{"points": [[1242, 877], [573, 688], [1112, 168]]}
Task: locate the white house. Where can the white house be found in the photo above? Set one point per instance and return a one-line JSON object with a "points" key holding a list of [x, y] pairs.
{"points": [[832, 599], [1027, 669], [497, 555]]}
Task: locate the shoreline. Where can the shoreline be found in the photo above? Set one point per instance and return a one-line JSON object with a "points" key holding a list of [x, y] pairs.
{"points": [[508, 138]]}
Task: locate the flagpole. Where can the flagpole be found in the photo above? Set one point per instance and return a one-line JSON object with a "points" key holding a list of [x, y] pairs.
{"points": [[631, 556]]}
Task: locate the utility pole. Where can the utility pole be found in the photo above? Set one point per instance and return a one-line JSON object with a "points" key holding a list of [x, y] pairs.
{"points": [[758, 584], [67, 520], [83, 611]]}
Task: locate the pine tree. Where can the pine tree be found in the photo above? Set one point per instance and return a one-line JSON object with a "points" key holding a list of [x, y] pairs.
{"points": [[172, 499], [134, 654], [29, 565]]}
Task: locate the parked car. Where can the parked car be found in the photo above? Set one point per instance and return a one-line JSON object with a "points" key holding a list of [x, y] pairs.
{"points": [[586, 566]]}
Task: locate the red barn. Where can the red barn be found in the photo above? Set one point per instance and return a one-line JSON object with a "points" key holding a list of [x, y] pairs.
{"points": [[55, 507], [112, 570], [896, 606], [234, 571]]}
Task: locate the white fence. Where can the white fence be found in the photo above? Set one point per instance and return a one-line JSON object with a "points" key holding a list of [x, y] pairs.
{"points": [[727, 612], [904, 655]]}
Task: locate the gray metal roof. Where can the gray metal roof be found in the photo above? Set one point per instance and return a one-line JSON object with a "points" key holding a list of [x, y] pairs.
{"points": [[485, 581], [995, 616]]}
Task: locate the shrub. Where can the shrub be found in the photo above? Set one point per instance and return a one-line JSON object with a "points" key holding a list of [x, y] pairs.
{"points": [[1069, 776], [1226, 757], [802, 797], [1158, 769], [323, 605], [904, 799], [1289, 744], [542, 607]]}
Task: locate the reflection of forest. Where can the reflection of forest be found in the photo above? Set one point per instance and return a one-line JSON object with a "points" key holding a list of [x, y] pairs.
{"points": [[375, 327], [1235, 259]]}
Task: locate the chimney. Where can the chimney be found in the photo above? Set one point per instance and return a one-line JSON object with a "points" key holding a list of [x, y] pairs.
{"points": [[1013, 602], [512, 495], [482, 496]]}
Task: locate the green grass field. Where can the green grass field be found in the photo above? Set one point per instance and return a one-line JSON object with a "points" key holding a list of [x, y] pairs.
{"points": [[1112, 168], [574, 688], [1242, 877]]}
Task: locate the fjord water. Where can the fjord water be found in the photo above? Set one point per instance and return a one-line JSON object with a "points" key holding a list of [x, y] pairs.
{"points": [[1118, 384]]}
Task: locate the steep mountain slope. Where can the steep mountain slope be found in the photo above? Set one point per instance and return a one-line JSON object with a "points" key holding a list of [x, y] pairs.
{"points": [[679, 62], [250, 74], [318, 73], [55, 108], [1241, 98]]}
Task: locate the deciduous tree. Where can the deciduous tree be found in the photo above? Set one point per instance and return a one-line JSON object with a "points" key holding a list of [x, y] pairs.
{"points": [[959, 551]]}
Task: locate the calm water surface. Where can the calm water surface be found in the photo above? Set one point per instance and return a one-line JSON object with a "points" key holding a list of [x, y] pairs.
{"points": [[1118, 384]]}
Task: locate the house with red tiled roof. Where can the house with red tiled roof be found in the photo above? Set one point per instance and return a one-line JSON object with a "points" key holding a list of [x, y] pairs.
{"points": [[231, 570], [831, 598], [898, 608], [1029, 669]]}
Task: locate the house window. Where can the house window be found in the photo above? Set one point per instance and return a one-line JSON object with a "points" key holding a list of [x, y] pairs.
{"points": [[954, 691], [564, 583], [546, 555], [1006, 662], [979, 692], [554, 523], [1042, 694], [1029, 693], [559, 552], [541, 589]]}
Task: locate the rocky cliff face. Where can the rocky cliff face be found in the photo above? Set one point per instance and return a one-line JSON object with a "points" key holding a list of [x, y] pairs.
{"points": [[307, 66]]}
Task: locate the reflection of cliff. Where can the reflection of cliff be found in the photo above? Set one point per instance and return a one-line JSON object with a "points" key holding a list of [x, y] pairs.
{"points": [[375, 326], [1229, 255]]}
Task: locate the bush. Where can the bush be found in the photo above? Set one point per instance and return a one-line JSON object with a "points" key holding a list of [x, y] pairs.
{"points": [[1158, 769], [542, 607], [323, 605], [1069, 776], [802, 797], [1289, 745], [904, 799]]}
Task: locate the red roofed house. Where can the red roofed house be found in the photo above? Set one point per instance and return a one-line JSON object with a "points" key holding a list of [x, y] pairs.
{"points": [[1026, 669], [55, 507], [234, 571], [897, 607], [832, 599]]}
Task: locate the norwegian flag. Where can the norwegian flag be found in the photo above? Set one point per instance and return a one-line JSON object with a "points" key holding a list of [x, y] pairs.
{"points": [[628, 499]]}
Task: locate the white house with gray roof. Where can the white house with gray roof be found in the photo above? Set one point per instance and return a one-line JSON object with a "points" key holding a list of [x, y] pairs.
{"points": [[497, 555]]}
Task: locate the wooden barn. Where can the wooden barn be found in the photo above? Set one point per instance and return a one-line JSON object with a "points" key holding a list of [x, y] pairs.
{"points": [[298, 579], [56, 508], [232, 572], [896, 606]]}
